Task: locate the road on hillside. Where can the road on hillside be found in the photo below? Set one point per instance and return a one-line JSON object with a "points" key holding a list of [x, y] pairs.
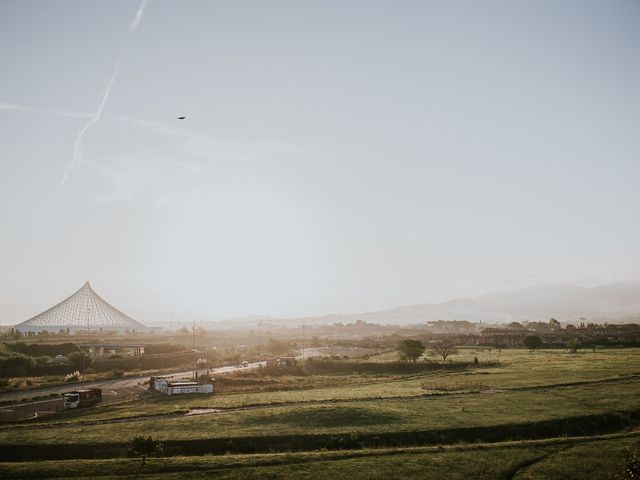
{"points": [[114, 390], [127, 383]]}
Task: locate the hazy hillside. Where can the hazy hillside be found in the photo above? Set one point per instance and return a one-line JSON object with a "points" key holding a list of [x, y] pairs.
{"points": [[615, 302]]}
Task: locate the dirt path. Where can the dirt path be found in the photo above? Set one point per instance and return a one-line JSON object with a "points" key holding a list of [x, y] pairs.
{"points": [[522, 466]]}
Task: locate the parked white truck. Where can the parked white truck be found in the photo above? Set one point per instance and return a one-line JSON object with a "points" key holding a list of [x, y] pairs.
{"points": [[86, 397]]}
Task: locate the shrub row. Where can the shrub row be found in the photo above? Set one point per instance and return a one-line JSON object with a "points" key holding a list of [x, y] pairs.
{"points": [[328, 367], [16, 365], [144, 362]]}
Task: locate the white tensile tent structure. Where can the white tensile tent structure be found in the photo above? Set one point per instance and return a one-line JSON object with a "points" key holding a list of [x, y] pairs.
{"points": [[85, 310]]}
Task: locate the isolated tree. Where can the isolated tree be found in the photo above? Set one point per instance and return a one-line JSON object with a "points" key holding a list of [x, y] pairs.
{"points": [[143, 447], [410, 349], [532, 342], [80, 360], [444, 349], [574, 346]]}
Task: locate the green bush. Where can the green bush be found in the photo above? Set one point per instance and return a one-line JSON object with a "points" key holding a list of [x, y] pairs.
{"points": [[631, 470], [16, 365], [42, 359], [532, 342], [81, 360]]}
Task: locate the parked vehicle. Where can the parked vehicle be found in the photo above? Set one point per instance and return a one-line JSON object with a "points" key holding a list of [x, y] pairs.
{"points": [[86, 397]]}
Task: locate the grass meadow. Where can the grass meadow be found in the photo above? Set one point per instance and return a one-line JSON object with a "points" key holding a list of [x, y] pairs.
{"points": [[547, 393]]}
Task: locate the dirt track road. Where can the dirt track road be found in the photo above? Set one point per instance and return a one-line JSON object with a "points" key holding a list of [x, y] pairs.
{"points": [[114, 390], [128, 384], [123, 384]]}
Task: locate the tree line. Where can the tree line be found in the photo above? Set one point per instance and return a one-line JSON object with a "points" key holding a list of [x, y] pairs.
{"points": [[411, 350]]}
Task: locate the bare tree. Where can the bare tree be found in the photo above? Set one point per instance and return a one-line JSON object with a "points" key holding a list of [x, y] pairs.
{"points": [[444, 349]]}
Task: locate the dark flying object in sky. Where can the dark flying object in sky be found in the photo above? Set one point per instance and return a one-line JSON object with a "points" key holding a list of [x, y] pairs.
{"points": [[181, 118]]}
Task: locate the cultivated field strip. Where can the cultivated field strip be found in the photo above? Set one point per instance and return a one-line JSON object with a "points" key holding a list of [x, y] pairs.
{"points": [[633, 378]]}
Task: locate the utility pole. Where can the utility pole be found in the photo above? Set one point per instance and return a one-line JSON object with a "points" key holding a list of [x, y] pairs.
{"points": [[195, 365], [83, 367], [303, 328], [333, 338]]}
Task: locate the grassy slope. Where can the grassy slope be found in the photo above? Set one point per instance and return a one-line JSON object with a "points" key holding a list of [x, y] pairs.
{"points": [[355, 416], [519, 368], [360, 411], [563, 458]]}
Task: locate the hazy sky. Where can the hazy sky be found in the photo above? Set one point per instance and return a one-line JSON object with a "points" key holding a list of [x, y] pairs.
{"points": [[337, 156]]}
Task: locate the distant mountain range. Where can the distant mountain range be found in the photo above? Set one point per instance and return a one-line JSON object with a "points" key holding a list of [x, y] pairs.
{"points": [[617, 302]]}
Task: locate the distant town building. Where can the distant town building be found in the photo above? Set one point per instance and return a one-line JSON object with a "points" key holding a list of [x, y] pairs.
{"points": [[170, 387]]}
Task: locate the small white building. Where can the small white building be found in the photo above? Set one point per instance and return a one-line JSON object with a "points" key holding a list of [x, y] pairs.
{"points": [[168, 387]]}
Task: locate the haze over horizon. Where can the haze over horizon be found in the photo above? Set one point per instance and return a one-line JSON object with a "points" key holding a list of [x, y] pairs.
{"points": [[343, 157], [616, 302]]}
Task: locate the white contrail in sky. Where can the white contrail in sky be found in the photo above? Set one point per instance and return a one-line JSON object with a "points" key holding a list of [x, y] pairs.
{"points": [[77, 159], [139, 13], [11, 106]]}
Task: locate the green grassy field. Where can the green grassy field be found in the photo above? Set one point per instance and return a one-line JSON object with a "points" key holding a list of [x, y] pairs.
{"points": [[568, 458], [441, 412], [517, 369], [524, 390]]}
